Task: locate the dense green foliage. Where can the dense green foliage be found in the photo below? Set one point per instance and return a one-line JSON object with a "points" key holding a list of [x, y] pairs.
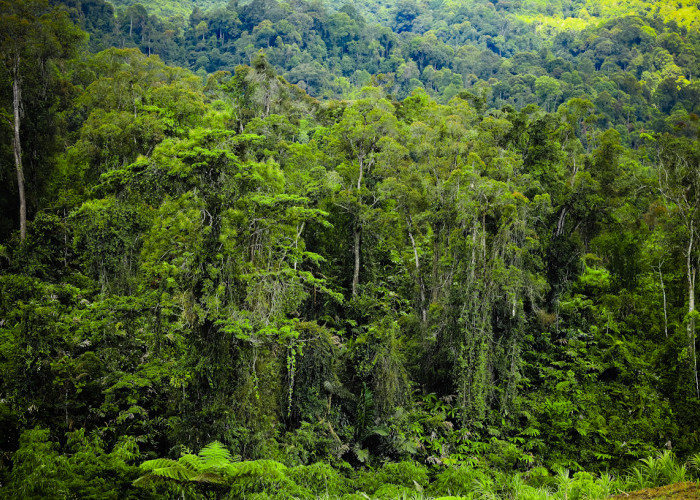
{"points": [[473, 275], [636, 70]]}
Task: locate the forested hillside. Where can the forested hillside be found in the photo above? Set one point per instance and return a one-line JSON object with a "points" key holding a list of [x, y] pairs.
{"points": [[504, 53], [305, 249]]}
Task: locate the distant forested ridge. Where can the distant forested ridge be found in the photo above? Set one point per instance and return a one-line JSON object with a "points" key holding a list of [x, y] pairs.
{"points": [[293, 250], [632, 60]]}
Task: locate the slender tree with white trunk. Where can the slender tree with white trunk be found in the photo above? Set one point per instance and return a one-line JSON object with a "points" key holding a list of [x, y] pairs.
{"points": [[31, 34]]}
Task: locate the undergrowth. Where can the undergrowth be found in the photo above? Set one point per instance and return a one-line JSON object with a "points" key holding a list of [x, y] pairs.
{"points": [[216, 474]]}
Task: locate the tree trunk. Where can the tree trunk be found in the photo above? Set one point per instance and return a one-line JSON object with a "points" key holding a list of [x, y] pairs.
{"points": [[17, 147], [663, 291], [357, 230], [436, 260], [560, 223], [691, 330], [361, 165], [356, 271], [691, 273], [419, 278]]}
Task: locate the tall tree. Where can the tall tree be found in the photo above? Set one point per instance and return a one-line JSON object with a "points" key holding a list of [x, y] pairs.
{"points": [[31, 36], [365, 127]]}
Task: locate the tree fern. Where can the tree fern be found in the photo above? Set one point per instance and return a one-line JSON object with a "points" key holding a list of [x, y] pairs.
{"points": [[162, 469], [213, 464], [259, 475], [215, 455]]}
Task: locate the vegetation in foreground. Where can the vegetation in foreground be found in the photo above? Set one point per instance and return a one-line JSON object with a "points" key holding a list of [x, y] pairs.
{"points": [[215, 473]]}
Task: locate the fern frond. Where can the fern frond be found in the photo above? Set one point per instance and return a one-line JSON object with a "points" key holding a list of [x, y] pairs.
{"points": [[209, 477], [174, 472], [215, 455], [146, 480], [214, 465], [230, 470], [158, 463], [193, 462], [268, 468]]}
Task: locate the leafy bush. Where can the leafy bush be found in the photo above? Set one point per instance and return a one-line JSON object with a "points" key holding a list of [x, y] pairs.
{"points": [[409, 474], [308, 444], [87, 471], [320, 479], [457, 481], [539, 476], [504, 455], [394, 491], [404, 473]]}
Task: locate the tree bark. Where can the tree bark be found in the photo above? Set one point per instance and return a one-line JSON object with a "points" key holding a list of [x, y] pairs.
{"points": [[691, 273], [436, 260], [360, 163], [356, 233], [573, 174], [419, 278], [663, 291], [560, 223], [356, 270], [17, 148]]}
